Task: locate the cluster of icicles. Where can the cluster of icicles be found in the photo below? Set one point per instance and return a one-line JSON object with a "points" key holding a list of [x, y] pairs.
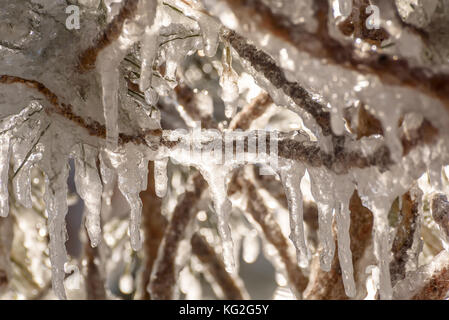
{"points": [[25, 140]]}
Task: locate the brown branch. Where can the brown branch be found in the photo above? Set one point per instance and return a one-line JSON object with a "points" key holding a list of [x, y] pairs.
{"points": [[215, 266], [329, 285], [251, 112], [163, 279], [271, 230], [154, 225], [306, 152], [93, 128], [266, 65], [88, 58], [319, 44]]}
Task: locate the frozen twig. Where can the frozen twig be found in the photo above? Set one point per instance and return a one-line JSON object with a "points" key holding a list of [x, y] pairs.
{"points": [[216, 268], [273, 234], [320, 44], [250, 112], [164, 276], [307, 152]]}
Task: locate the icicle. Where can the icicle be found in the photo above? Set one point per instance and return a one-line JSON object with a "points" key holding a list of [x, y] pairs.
{"points": [[109, 61], [210, 29], [5, 152], [322, 187], [26, 152], [22, 179], [110, 86], [149, 46], [56, 207], [216, 180], [325, 235], [382, 247], [132, 170], [343, 218], [160, 177], [291, 180], [89, 187], [343, 194], [229, 84], [148, 53]]}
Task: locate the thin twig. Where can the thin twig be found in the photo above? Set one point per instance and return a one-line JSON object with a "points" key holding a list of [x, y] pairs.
{"points": [[216, 268], [164, 276], [272, 232]]}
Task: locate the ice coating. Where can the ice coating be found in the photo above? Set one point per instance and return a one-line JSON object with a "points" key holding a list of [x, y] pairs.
{"points": [[405, 114]]}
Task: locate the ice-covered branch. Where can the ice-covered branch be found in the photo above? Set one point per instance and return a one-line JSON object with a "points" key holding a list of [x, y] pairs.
{"points": [[88, 58], [272, 233], [215, 267], [163, 279], [320, 44]]}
